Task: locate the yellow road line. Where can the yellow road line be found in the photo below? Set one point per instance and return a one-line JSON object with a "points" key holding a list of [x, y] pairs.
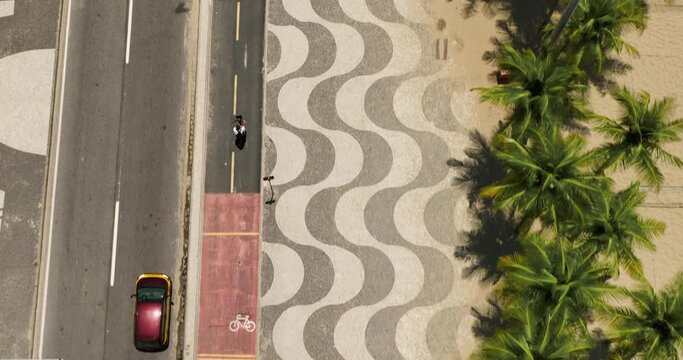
{"points": [[232, 173], [226, 356], [234, 96], [237, 24], [231, 234]]}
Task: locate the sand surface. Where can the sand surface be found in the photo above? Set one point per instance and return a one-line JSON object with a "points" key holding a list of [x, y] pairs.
{"points": [[658, 70]]}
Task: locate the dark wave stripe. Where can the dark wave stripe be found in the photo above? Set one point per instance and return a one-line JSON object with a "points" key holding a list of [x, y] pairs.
{"points": [[319, 331]]}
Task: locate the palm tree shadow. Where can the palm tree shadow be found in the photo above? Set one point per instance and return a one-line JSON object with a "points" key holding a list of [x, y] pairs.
{"points": [[611, 68], [487, 320], [495, 235], [494, 238], [522, 27], [480, 169]]}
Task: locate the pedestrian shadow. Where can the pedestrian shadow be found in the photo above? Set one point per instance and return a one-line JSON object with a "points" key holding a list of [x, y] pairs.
{"points": [[181, 8], [494, 234]]}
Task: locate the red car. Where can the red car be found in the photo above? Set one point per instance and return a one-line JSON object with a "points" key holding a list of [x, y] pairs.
{"points": [[152, 312]]}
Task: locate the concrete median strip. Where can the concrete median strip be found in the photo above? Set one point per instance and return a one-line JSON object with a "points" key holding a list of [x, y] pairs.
{"points": [[191, 317], [46, 248]]}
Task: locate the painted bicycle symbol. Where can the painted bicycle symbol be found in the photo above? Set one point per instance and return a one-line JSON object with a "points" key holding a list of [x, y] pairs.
{"points": [[242, 321]]}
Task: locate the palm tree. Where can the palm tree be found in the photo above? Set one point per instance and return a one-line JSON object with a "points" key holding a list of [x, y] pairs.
{"points": [[614, 228], [548, 178], [541, 90], [653, 327], [555, 276], [533, 336], [638, 138], [596, 27]]}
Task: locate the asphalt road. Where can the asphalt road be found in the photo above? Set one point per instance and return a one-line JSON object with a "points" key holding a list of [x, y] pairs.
{"points": [[122, 139], [236, 53]]}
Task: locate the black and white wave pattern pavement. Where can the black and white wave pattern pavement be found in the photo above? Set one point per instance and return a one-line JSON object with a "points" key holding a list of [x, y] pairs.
{"points": [[361, 118]]}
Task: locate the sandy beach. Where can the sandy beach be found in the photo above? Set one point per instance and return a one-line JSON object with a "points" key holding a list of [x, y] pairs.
{"points": [[658, 70]]}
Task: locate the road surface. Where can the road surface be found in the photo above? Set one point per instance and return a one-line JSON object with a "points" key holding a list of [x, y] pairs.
{"points": [[121, 147], [236, 88]]}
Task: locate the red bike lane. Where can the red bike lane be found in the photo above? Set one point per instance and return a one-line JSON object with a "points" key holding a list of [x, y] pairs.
{"points": [[229, 277]]}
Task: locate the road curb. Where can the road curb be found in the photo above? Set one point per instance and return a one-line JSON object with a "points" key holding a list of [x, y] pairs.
{"points": [[50, 181], [191, 317], [264, 136]]}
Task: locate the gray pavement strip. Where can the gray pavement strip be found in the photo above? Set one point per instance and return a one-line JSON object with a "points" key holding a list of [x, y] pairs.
{"points": [[2, 204], [24, 26], [198, 166]]}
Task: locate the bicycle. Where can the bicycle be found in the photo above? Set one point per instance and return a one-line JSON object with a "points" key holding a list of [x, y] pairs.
{"points": [[242, 321]]}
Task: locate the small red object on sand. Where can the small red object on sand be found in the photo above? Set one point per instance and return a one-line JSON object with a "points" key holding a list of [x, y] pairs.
{"points": [[503, 76]]}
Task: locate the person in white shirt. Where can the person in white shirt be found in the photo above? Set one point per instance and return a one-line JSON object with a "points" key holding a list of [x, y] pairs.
{"points": [[240, 131], [239, 128]]}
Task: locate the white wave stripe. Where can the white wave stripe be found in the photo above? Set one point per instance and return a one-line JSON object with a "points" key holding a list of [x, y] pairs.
{"points": [[411, 332], [25, 105], [291, 154], [6, 8], [349, 217], [415, 323], [407, 160], [413, 10], [410, 113], [464, 107], [288, 273], [293, 50], [348, 273], [406, 43], [349, 334], [291, 210]]}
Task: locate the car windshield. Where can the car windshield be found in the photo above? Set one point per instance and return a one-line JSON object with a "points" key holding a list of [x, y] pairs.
{"points": [[150, 294]]}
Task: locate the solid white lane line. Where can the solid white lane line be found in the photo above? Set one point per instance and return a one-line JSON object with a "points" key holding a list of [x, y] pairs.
{"points": [[232, 173], [115, 240], [54, 183], [234, 96], [237, 23], [130, 23]]}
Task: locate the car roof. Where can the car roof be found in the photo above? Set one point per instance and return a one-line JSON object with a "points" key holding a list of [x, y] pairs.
{"points": [[148, 321]]}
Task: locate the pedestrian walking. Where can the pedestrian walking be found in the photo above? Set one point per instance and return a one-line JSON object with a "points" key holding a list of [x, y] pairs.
{"points": [[240, 131]]}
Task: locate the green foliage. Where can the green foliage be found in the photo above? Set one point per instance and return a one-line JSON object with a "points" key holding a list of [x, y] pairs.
{"points": [[550, 290], [548, 178], [541, 92], [533, 335], [555, 276], [652, 327], [638, 138], [596, 28], [614, 228]]}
